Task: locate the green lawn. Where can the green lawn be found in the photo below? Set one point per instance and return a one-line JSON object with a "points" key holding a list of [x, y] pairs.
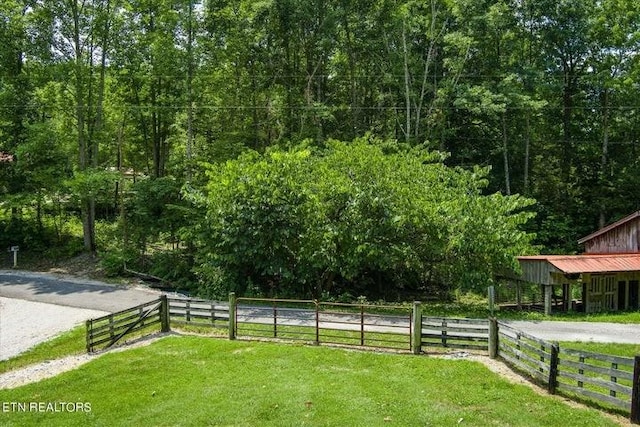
{"points": [[188, 380], [623, 350]]}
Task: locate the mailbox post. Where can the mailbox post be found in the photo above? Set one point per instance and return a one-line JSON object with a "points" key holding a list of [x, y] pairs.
{"points": [[15, 250]]}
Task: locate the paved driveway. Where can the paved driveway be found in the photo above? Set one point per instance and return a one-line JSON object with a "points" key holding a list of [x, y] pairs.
{"points": [[36, 307], [580, 331], [71, 292], [92, 295]]}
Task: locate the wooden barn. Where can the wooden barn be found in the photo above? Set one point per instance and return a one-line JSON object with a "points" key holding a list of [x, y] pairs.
{"points": [[607, 274]]}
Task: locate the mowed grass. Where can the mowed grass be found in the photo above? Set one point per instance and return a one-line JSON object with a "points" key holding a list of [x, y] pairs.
{"points": [[196, 381], [614, 349]]}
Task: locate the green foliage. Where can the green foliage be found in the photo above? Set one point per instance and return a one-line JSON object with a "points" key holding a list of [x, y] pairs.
{"points": [[154, 207], [544, 92], [114, 261], [175, 267], [94, 184], [48, 238], [368, 217]]}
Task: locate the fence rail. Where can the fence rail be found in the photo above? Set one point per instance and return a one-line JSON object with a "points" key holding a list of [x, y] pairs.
{"points": [[324, 322], [610, 380], [198, 312], [596, 376], [528, 353], [455, 333], [103, 332]]}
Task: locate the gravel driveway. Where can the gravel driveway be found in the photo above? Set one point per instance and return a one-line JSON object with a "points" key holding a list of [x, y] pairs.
{"points": [[35, 307], [24, 324]]}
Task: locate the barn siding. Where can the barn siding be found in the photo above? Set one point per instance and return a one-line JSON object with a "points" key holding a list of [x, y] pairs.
{"points": [[621, 239], [538, 271], [610, 285]]}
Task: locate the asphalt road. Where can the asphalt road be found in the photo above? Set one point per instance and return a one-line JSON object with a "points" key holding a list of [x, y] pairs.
{"points": [[94, 295], [580, 331], [71, 292]]}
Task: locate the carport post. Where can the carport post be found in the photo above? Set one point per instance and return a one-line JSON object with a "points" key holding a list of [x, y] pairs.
{"points": [[416, 328], [548, 292]]}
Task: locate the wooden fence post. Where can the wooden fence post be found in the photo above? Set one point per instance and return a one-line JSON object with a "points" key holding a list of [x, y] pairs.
{"points": [[164, 314], [89, 325], [361, 325], [275, 320], [493, 338], [635, 392], [416, 331], [444, 332], [317, 305], [553, 368], [232, 316]]}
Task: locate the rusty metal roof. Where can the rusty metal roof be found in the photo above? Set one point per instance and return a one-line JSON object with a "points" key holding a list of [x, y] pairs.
{"points": [[604, 263]]}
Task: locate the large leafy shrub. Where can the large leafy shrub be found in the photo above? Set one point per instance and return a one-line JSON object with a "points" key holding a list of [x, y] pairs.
{"points": [[365, 218]]}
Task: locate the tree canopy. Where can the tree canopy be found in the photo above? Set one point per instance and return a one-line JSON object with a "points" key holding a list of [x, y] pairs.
{"points": [[109, 107]]}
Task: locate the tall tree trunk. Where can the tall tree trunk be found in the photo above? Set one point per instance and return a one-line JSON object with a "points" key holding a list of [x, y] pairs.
{"points": [[527, 147], [431, 53], [353, 85], [567, 115], [505, 154], [87, 207], [604, 157], [190, 66], [407, 84]]}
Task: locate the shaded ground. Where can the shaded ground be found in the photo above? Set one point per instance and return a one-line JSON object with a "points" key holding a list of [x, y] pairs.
{"points": [[71, 292]]}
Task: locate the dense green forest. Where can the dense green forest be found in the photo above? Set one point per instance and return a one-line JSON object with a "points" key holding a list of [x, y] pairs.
{"points": [[199, 141]]}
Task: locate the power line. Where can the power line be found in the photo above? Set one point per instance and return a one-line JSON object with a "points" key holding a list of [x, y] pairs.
{"points": [[317, 107]]}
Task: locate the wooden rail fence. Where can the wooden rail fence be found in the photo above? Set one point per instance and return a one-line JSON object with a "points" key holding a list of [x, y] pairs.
{"points": [[324, 322], [198, 312], [105, 331], [455, 333], [600, 377], [609, 380]]}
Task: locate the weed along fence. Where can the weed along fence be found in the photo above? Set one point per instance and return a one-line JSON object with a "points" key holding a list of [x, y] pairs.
{"points": [[609, 380]]}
